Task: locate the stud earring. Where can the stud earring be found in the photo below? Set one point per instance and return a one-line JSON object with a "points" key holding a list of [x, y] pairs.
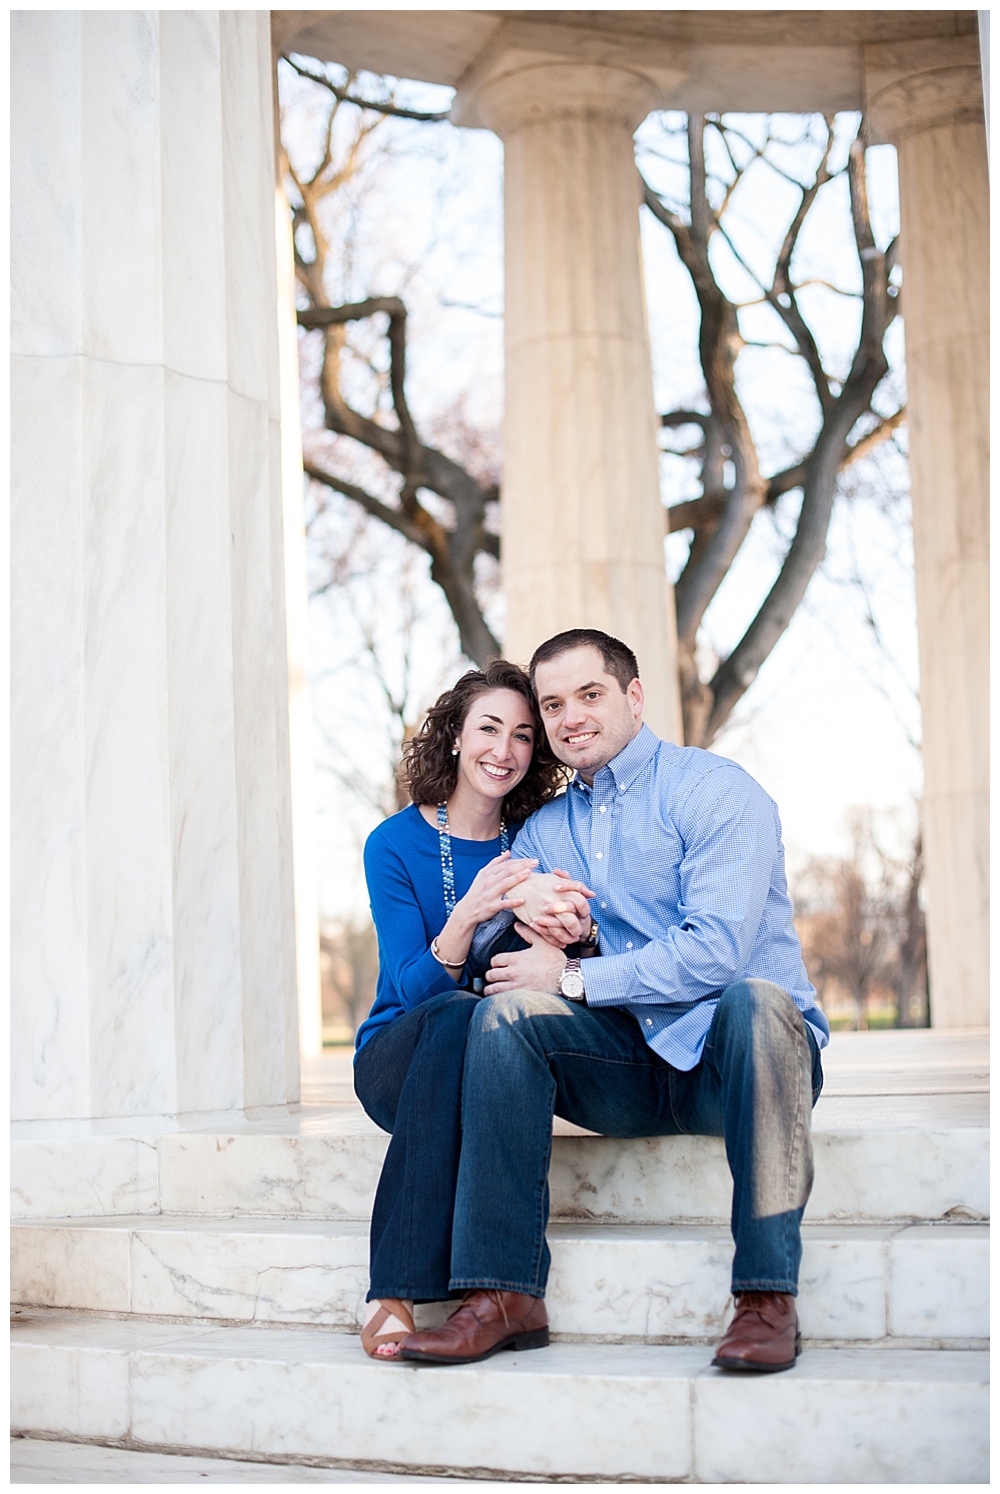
{"points": [[454, 752]]}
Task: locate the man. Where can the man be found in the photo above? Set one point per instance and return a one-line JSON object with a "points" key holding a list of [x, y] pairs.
{"points": [[697, 1017]]}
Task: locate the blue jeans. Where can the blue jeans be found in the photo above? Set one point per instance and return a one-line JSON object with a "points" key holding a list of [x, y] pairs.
{"points": [[528, 1056], [408, 1077]]}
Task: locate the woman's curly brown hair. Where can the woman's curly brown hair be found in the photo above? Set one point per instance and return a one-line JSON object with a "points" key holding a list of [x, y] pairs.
{"points": [[430, 772]]}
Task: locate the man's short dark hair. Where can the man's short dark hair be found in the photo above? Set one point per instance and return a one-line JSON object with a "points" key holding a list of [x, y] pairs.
{"points": [[619, 660]]}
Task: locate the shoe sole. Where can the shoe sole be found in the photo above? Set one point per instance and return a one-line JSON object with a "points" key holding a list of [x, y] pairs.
{"points": [[748, 1366], [538, 1339]]}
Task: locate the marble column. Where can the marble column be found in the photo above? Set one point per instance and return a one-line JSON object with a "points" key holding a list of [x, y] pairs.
{"points": [[300, 717], [154, 968], [926, 97], [583, 522]]}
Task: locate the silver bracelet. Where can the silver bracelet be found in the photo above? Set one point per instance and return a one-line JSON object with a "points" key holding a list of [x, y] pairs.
{"points": [[449, 964]]}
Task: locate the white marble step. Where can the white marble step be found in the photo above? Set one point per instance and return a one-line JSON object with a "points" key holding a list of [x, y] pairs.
{"points": [[40, 1460], [865, 1283], [881, 1163], [593, 1411]]}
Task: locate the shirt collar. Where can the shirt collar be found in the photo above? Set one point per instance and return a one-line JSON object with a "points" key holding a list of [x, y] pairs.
{"points": [[626, 767]]}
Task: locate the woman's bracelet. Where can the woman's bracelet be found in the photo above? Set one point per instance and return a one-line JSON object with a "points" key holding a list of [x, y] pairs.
{"points": [[450, 964]]}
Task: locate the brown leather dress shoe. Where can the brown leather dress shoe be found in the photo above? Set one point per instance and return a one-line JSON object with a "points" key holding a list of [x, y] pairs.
{"points": [[487, 1322], [763, 1335]]}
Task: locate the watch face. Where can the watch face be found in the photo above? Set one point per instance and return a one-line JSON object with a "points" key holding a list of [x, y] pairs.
{"points": [[571, 985]]}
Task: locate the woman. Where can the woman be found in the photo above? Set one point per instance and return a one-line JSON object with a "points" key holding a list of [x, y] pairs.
{"points": [[477, 768]]}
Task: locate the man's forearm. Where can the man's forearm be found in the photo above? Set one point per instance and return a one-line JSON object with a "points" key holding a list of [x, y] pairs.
{"points": [[664, 972]]}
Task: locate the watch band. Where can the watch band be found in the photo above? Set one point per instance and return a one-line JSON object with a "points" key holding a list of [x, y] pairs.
{"points": [[571, 985], [592, 936]]}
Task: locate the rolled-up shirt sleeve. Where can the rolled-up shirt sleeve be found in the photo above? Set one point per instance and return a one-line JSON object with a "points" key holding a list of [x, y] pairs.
{"points": [[730, 837]]}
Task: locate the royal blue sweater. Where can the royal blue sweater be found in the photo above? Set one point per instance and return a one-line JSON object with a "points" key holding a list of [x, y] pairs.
{"points": [[406, 894]]}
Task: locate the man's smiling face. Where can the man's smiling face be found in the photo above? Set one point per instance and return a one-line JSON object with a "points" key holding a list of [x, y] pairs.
{"points": [[589, 718]]}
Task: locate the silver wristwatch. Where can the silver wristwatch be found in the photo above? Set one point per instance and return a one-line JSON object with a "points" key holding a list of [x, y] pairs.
{"points": [[571, 982]]}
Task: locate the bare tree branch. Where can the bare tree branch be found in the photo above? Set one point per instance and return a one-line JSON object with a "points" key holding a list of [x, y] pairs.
{"points": [[685, 417], [794, 477], [738, 171], [356, 311], [695, 513], [828, 285], [727, 433], [782, 291], [344, 96], [721, 516], [453, 547], [421, 529], [394, 517], [881, 431], [808, 547], [719, 345]]}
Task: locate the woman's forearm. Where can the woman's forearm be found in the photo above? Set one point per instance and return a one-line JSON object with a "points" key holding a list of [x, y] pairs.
{"points": [[453, 942], [496, 886]]}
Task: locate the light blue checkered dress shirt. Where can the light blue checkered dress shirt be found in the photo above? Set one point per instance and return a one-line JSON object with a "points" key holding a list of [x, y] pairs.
{"points": [[683, 851]]}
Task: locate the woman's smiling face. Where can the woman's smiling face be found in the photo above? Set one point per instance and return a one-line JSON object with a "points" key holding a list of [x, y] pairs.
{"points": [[496, 743]]}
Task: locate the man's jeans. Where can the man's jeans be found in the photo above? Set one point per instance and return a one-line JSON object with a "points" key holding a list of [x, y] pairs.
{"points": [[463, 1199]]}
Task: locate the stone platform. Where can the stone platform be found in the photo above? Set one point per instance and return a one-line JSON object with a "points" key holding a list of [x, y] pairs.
{"points": [[210, 1305]]}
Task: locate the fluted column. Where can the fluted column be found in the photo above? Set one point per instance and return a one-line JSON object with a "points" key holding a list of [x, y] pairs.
{"points": [[926, 97], [300, 716], [583, 522], [153, 923]]}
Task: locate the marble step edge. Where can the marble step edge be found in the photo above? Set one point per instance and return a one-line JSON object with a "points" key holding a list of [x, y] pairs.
{"points": [[919, 1283], [573, 1411], [877, 1175], [427, 1316]]}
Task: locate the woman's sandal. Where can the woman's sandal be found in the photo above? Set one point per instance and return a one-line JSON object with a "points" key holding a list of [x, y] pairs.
{"points": [[390, 1323]]}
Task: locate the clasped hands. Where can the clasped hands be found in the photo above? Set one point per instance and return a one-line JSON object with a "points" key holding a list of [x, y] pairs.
{"points": [[553, 911]]}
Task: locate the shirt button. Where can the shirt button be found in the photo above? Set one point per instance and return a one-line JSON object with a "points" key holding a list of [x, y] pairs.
{"points": [[649, 1021], [600, 855], [629, 944], [604, 905], [603, 809]]}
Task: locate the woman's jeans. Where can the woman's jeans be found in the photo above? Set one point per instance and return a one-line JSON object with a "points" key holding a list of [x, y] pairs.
{"points": [[468, 1087], [409, 1079]]}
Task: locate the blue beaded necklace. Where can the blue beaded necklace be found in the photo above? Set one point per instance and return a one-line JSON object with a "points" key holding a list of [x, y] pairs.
{"points": [[447, 862]]}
